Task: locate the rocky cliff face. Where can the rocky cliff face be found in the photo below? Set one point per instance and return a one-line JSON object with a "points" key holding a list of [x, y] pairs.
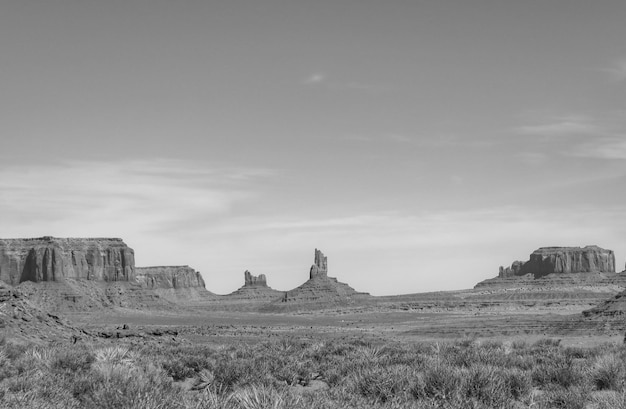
{"points": [[254, 281], [320, 265], [178, 284], [169, 277], [54, 259], [563, 260]]}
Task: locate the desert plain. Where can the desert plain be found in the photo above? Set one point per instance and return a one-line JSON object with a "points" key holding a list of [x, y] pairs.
{"points": [[547, 332]]}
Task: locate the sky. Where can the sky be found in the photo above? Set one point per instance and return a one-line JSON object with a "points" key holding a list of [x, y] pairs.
{"points": [[419, 144]]}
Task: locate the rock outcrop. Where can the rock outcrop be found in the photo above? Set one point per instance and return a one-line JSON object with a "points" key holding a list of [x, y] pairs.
{"points": [[563, 260], [566, 260], [320, 265], [560, 267], [254, 281], [254, 290], [54, 259], [22, 319], [169, 277], [178, 284], [320, 291]]}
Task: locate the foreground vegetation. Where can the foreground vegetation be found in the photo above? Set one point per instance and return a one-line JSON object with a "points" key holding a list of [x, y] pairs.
{"points": [[331, 374]]}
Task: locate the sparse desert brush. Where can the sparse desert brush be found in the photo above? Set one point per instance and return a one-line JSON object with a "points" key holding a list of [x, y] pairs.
{"points": [[441, 382], [382, 384], [262, 397], [547, 343], [572, 397], [119, 354], [275, 374], [486, 384], [609, 400], [558, 369], [608, 373], [75, 359]]}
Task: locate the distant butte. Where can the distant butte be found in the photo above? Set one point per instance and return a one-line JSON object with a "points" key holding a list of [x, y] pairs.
{"points": [[567, 264], [254, 289], [319, 290], [174, 283], [54, 259]]}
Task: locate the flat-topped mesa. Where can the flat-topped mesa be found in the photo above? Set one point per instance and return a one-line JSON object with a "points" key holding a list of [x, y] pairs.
{"points": [[254, 281], [567, 260], [320, 266], [563, 260], [169, 277], [54, 259]]}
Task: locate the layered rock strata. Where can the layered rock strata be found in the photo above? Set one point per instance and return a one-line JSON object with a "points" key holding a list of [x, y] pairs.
{"points": [[179, 284], [169, 277], [561, 267], [54, 259], [319, 290], [320, 265], [254, 289], [614, 307], [563, 260], [254, 281]]}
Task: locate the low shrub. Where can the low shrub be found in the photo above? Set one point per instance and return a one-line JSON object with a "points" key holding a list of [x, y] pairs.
{"points": [[608, 372]]}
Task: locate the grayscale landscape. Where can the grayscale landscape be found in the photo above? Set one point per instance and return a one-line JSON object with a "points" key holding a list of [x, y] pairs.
{"points": [[324, 204]]}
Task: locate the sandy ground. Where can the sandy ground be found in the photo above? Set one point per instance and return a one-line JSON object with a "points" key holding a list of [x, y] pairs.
{"points": [[223, 327]]}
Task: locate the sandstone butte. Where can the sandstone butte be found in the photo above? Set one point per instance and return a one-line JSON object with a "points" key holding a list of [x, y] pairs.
{"points": [[564, 263], [169, 277], [320, 288], [54, 259], [558, 260], [51, 259], [255, 288]]}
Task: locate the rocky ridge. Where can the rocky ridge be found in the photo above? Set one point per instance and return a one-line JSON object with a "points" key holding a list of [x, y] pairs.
{"points": [[613, 308], [20, 318], [55, 259]]}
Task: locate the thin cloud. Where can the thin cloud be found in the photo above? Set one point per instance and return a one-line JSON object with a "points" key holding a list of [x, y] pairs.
{"points": [[109, 198], [315, 79], [617, 72], [560, 127], [606, 148], [324, 79], [400, 138]]}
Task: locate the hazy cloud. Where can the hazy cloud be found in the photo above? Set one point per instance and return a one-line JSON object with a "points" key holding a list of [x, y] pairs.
{"points": [[315, 79], [320, 78], [605, 148], [108, 198], [617, 71], [560, 127]]}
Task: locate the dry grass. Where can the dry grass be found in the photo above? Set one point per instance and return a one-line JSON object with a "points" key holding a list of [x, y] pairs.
{"points": [[281, 374]]}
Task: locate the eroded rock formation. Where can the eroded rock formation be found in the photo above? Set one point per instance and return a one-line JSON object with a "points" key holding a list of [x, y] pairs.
{"points": [[320, 265], [563, 260], [319, 290], [254, 281], [54, 259], [255, 289], [178, 284], [169, 277]]}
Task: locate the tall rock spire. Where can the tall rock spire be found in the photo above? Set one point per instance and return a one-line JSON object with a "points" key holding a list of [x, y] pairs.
{"points": [[320, 268]]}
